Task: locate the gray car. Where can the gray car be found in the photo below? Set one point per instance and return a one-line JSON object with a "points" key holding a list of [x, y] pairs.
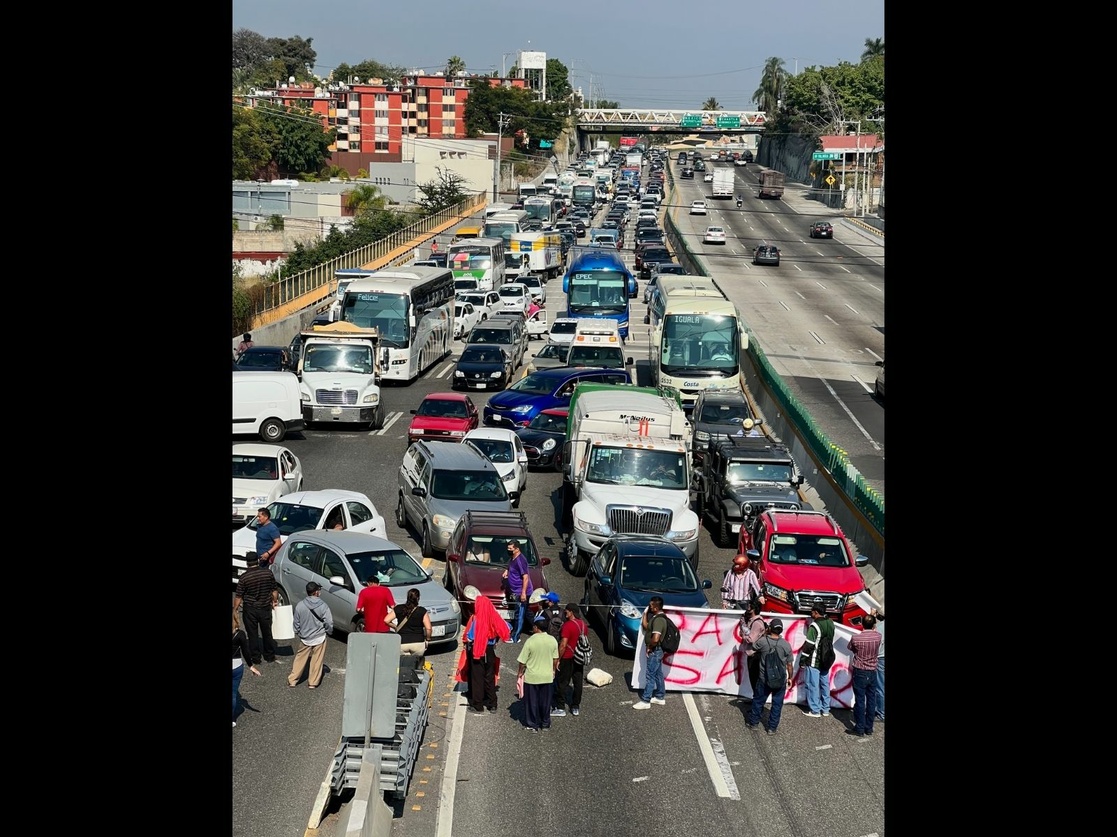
{"points": [[341, 562], [719, 412], [437, 482], [549, 355]]}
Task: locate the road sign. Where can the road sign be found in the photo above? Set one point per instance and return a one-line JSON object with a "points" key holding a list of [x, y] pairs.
{"points": [[830, 181], [826, 155], [729, 122], [546, 144], [691, 120]]}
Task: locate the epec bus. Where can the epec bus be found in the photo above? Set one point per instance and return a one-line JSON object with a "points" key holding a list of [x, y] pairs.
{"points": [[597, 284]]}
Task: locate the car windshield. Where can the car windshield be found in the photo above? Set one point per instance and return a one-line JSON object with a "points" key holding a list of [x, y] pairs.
{"points": [[552, 350], [479, 355], [468, 485], [442, 408], [324, 358], [255, 467], [493, 549], [608, 356], [394, 567], [548, 421], [508, 290], [808, 549], [741, 472], [714, 413], [484, 334], [261, 360], [535, 385], [476, 300], [669, 574], [291, 518], [495, 450]]}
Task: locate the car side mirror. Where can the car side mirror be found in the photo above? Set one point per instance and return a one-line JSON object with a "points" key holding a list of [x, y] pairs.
{"points": [[798, 480], [628, 362], [861, 560], [754, 554], [337, 580], [415, 412], [450, 556], [706, 585], [605, 579], [647, 319], [419, 491], [544, 562]]}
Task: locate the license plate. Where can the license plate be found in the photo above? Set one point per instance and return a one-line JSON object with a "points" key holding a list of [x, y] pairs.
{"points": [[504, 614], [478, 386], [335, 411], [438, 630]]}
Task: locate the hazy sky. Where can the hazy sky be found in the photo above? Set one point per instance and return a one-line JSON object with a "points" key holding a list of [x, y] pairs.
{"points": [[671, 54]]}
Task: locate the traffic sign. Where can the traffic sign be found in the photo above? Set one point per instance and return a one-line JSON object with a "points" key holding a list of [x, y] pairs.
{"points": [[546, 144], [830, 181], [826, 155], [691, 120], [729, 122]]}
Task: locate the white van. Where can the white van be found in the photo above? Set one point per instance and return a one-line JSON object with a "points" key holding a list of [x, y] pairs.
{"points": [[266, 404]]}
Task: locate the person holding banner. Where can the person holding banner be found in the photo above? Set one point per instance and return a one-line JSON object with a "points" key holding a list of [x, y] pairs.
{"points": [[752, 629], [864, 645], [771, 682]]}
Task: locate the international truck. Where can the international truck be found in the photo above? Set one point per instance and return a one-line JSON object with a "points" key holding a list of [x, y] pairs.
{"points": [[634, 159], [626, 470], [339, 375], [723, 183], [533, 252], [771, 184]]}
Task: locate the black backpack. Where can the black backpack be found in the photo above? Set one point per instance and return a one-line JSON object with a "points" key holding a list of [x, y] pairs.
{"points": [[826, 655], [669, 642], [554, 621], [772, 667]]}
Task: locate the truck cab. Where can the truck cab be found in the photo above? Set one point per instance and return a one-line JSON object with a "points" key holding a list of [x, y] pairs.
{"points": [[339, 375]]}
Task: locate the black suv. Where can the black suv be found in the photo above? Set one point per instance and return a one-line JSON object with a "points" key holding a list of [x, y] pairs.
{"points": [[718, 413], [822, 229], [742, 476], [688, 173]]}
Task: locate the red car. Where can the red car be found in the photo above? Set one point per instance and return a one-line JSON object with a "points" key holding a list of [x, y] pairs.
{"points": [[802, 557], [478, 556], [443, 417]]}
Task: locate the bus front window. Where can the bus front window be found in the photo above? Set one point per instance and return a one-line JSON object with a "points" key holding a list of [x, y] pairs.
{"points": [[386, 312], [696, 342], [599, 292]]}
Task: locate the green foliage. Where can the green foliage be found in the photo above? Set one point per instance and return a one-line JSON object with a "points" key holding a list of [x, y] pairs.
{"points": [[604, 104], [365, 198], [711, 104], [874, 48], [295, 54], [366, 70], [274, 222], [537, 120], [253, 141], [819, 99], [558, 81], [767, 96], [455, 64], [302, 145], [443, 192]]}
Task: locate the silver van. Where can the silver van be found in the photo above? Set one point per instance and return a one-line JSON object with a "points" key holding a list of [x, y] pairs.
{"points": [[437, 483], [266, 404]]}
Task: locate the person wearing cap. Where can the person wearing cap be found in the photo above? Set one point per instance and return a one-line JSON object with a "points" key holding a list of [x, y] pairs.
{"points": [[482, 632], [573, 627], [258, 592], [375, 603], [538, 664], [753, 627], [245, 344], [740, 584], [864, 646], [771, 643], [818, 681], [518, 576], [313, 622]]}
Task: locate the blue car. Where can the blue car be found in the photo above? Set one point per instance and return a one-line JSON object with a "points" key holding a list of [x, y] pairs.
{"points": [[624, 575], [542, 390]]}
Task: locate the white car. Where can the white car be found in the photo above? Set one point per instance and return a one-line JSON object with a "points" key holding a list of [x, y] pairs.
{"points": [[647, 213], [515, 296], [714, 235], [262, 473], [697, 207], [505, 450], [536, 287], [301, 510], [487, 303], [708, 177], [562, 330], [465, 318]]}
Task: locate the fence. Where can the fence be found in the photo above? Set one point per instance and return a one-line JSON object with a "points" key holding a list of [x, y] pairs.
{"points": [[301, 290]]}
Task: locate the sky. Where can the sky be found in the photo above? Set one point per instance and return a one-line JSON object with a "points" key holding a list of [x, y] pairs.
{"points": [[669, 54]]}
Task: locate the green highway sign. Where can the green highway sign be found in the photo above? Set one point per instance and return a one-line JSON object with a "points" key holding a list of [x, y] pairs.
{"points": [[729, 122], [691, 120], [546, 144], [826, 155]]}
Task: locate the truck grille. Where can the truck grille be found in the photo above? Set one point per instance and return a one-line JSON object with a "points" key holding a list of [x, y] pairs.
{"points": [[758, 507], [334, 397], [637, 520], [804, 599]]}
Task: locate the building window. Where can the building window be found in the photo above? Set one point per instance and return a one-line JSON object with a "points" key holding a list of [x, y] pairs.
{"points": [[449, 109], [381, 137], [448, 91]]}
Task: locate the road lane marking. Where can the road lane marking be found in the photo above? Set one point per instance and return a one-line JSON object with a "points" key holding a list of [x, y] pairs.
{"points": [[388, 422], [445, 370], [784, 305], [874, 354], [713, 753], [851, 308], [445, 826], [818, 339]]}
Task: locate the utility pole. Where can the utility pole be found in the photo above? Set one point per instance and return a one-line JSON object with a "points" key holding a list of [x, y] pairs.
{"points": [[500, 126]]}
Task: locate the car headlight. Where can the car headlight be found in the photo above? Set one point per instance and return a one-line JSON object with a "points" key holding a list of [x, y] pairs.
{"points": [[509, 477], [457, 432], [458, 373], [258, 500], [592, 528], [772, 591], [371, 398], [548, 444], [454, 606], [684, 535], [304, 397], [442, 521], [523, 408], [629, 610], [495, 375], [746, 509], [701, 436]]}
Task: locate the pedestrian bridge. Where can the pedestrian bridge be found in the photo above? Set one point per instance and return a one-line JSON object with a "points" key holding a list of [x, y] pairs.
{"points": [[670, 121]]}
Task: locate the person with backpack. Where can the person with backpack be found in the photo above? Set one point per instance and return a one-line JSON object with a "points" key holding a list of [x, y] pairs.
{"points": [[570, 667], [654, 623], [775, 673], [753, 627], [815, 658]]}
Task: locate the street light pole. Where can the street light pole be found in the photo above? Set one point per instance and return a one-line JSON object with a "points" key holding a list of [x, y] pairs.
{"points": [[499, 139]]}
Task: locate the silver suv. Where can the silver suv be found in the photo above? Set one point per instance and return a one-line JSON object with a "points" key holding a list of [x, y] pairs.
{"points": [[438, 482]]}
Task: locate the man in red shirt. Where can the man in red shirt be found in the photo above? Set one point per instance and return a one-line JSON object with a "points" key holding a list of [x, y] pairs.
{"points": [[375, 602]]}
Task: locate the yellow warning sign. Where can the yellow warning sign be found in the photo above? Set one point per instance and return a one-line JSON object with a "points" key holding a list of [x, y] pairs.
{"points": [[830, 181]]}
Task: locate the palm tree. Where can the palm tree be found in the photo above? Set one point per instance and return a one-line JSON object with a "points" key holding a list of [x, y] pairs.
{"points": [[873, 48], [770, 91], [711, 104], [364, 198], [454, 65]]}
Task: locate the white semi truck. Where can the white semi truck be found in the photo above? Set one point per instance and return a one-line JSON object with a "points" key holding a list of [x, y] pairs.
{"points": [[723, 183], [339, 375], [626, 470]]}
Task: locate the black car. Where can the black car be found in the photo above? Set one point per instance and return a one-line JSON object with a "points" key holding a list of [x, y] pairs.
{"points": [[482, 366], [439, 259], [265, 359], [579, 227], [688, 173], [822, 229], [544, 437], [650, 256], [766, 254]]}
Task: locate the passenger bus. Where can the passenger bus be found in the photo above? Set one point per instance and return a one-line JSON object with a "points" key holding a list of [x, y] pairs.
{"points": [[503, 224], [494, 208], [541, 208], [597, 284], [414, 311], [695, 337], [584, 193], [478, 258]]}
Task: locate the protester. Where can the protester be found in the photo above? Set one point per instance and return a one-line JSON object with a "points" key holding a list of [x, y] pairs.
{"points": [[740, 584], [880, 664], [313, 622], [817, 680], [258, 592], [569, 669], [538, 663], [519, 585], [865, 646], [376, 603], [268, 537], [769, 683], [413, 624], [245, 344], [752, 629], [653, 623], [241, 653], [482, 632]]}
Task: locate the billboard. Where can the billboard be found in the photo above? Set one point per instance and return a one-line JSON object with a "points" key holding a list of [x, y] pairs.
{"points": [[532, 61], [628, 142]]}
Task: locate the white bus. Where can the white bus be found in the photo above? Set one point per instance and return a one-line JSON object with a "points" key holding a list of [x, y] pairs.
{"points": [[503, 224], [478, 258], [695, 338], [542, 208], [414, 310]]}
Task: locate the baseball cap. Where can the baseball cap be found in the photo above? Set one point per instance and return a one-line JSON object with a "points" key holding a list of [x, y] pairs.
{"points": [[541, 620], [312, 587], [776, 625], [552, 597]]}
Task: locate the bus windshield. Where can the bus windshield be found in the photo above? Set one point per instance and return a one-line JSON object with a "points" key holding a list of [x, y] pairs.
{"points": [[538, 209], [387, 312], [699, 342], [501, 229], [601, 291]]}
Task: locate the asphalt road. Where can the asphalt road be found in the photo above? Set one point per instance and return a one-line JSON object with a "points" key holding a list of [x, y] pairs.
{"points": [[685, 766]]}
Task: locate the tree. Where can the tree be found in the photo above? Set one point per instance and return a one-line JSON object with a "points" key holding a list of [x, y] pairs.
{"points": [[873, 47], [296, 54], [604, 104], [302, 145], [443, 192], [455, 66], [365, 198], [558, 81], [711, 104], [253, 140], [367, 69], [527, 117], [770, 91]]}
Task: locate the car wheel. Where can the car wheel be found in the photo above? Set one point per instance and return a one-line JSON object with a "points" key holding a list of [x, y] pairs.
{"points": [[427, 546], [723, 529], [283, 599], [401, 513], [359, 624], [273, 431]]}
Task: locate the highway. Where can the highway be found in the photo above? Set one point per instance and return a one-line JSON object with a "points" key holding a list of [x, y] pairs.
{"points": [[690, 766]]}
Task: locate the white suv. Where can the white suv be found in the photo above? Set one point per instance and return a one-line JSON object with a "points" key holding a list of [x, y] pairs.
{"points": [[505, 450]]}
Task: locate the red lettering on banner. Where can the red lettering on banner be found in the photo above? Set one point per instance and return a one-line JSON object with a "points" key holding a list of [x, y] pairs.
{"points": [[689, 681], [732, 666], [715, 630]]}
